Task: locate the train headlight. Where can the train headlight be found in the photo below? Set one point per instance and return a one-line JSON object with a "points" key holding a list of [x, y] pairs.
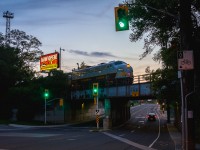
{"points": [[128, 66]]}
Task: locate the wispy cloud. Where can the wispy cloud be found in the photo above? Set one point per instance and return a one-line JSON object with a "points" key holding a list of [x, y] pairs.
{"points": [[93, 54]]}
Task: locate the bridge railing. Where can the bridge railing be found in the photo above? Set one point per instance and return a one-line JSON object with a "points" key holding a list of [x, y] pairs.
{"points": [[142, 78]]}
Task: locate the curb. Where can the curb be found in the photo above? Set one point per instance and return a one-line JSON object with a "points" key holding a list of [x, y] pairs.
{"points": [[31, 126]]}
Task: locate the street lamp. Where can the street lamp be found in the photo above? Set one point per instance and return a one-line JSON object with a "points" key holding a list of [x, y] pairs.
{"points": [[60, 56]]}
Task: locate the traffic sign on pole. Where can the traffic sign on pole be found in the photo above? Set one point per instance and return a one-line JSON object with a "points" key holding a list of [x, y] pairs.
{"points": [[185, 60]]}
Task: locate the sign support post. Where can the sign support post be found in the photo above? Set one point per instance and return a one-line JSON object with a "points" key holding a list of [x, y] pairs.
{"points": [[185, 63], [97, 112], [45, 110]]}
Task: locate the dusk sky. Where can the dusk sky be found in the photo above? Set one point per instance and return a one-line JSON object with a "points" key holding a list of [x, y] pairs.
{"points": [[84, 28]]}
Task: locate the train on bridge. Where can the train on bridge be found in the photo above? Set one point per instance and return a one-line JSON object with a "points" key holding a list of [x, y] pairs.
{"points": [[115, 79], [106, 74]]}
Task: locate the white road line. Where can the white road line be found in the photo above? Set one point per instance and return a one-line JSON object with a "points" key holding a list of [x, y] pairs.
{"points": [[143, 147], [158, 133], [138, 117], [71, 139], [121, 135]]}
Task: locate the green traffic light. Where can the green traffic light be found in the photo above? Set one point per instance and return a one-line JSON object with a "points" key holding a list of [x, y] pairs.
{"points": [[95, 90], [121, 24], [46, 94], [121, 18]]}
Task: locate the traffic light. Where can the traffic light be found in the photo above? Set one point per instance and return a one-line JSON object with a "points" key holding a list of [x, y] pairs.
{"points": [[95, 89], [46, 93], [121, 18]]}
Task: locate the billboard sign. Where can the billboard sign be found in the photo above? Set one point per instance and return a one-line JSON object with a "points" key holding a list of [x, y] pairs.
{"points": [[49, 61]]}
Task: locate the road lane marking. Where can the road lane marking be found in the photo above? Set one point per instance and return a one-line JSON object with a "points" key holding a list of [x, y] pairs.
{"points": [[140, 117], [158, 133], [122, 135], [143, 147], [141, 122], [71, 139]]}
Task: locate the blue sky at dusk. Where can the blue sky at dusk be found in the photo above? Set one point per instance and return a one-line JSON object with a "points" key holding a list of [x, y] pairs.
{"points": [[84, 28]]}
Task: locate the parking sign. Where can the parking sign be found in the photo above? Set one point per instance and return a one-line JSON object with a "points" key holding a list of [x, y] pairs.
{"points": [[185, 60]]}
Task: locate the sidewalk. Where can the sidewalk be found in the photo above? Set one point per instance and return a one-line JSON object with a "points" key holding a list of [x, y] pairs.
{"points": [[175, 135]]}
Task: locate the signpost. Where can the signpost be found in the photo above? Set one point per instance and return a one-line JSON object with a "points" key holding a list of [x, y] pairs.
{"points": [[185, 63]]}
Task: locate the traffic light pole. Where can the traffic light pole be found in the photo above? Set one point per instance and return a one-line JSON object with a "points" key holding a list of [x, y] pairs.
{"points": [[45, 110], [97, 112], [95, 94], [45, 107]]}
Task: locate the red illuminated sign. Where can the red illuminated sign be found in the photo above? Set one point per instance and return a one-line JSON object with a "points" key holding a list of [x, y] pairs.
{"points": [[49, 61]]}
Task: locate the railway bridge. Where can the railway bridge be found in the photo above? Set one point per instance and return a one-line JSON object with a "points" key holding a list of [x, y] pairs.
{"points": [[112, 104]]}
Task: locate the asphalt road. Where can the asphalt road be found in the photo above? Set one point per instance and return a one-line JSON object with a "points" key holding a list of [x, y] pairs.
{"points": [[135, 134], [152, 134]]}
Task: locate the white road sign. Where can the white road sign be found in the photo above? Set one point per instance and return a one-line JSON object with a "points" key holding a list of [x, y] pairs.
{"points": [[185, 60], [97, 112]]}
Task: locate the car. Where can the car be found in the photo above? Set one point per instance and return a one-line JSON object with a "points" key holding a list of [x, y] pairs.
{"points": [[151, 116]]}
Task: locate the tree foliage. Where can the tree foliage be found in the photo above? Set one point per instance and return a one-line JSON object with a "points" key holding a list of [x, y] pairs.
{"points": [[16, 69], [157, 22], [28, 45], [13, 69]]}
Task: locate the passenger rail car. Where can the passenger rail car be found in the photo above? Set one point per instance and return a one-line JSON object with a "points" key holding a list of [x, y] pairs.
{"points": [[106, 74]]}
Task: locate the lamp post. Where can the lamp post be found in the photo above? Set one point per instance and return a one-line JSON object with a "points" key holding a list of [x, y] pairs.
{"points": [[60, 56]]}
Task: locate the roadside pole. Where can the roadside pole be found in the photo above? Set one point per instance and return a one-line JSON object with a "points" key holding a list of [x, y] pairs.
{"points": [[182, 110], [46, 95], [96, 99], [45, 110], [97, 112]]}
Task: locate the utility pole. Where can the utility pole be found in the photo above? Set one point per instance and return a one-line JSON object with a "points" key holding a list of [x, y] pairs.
{"points": [[60, 57], [188, 75], [8, 15]]}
